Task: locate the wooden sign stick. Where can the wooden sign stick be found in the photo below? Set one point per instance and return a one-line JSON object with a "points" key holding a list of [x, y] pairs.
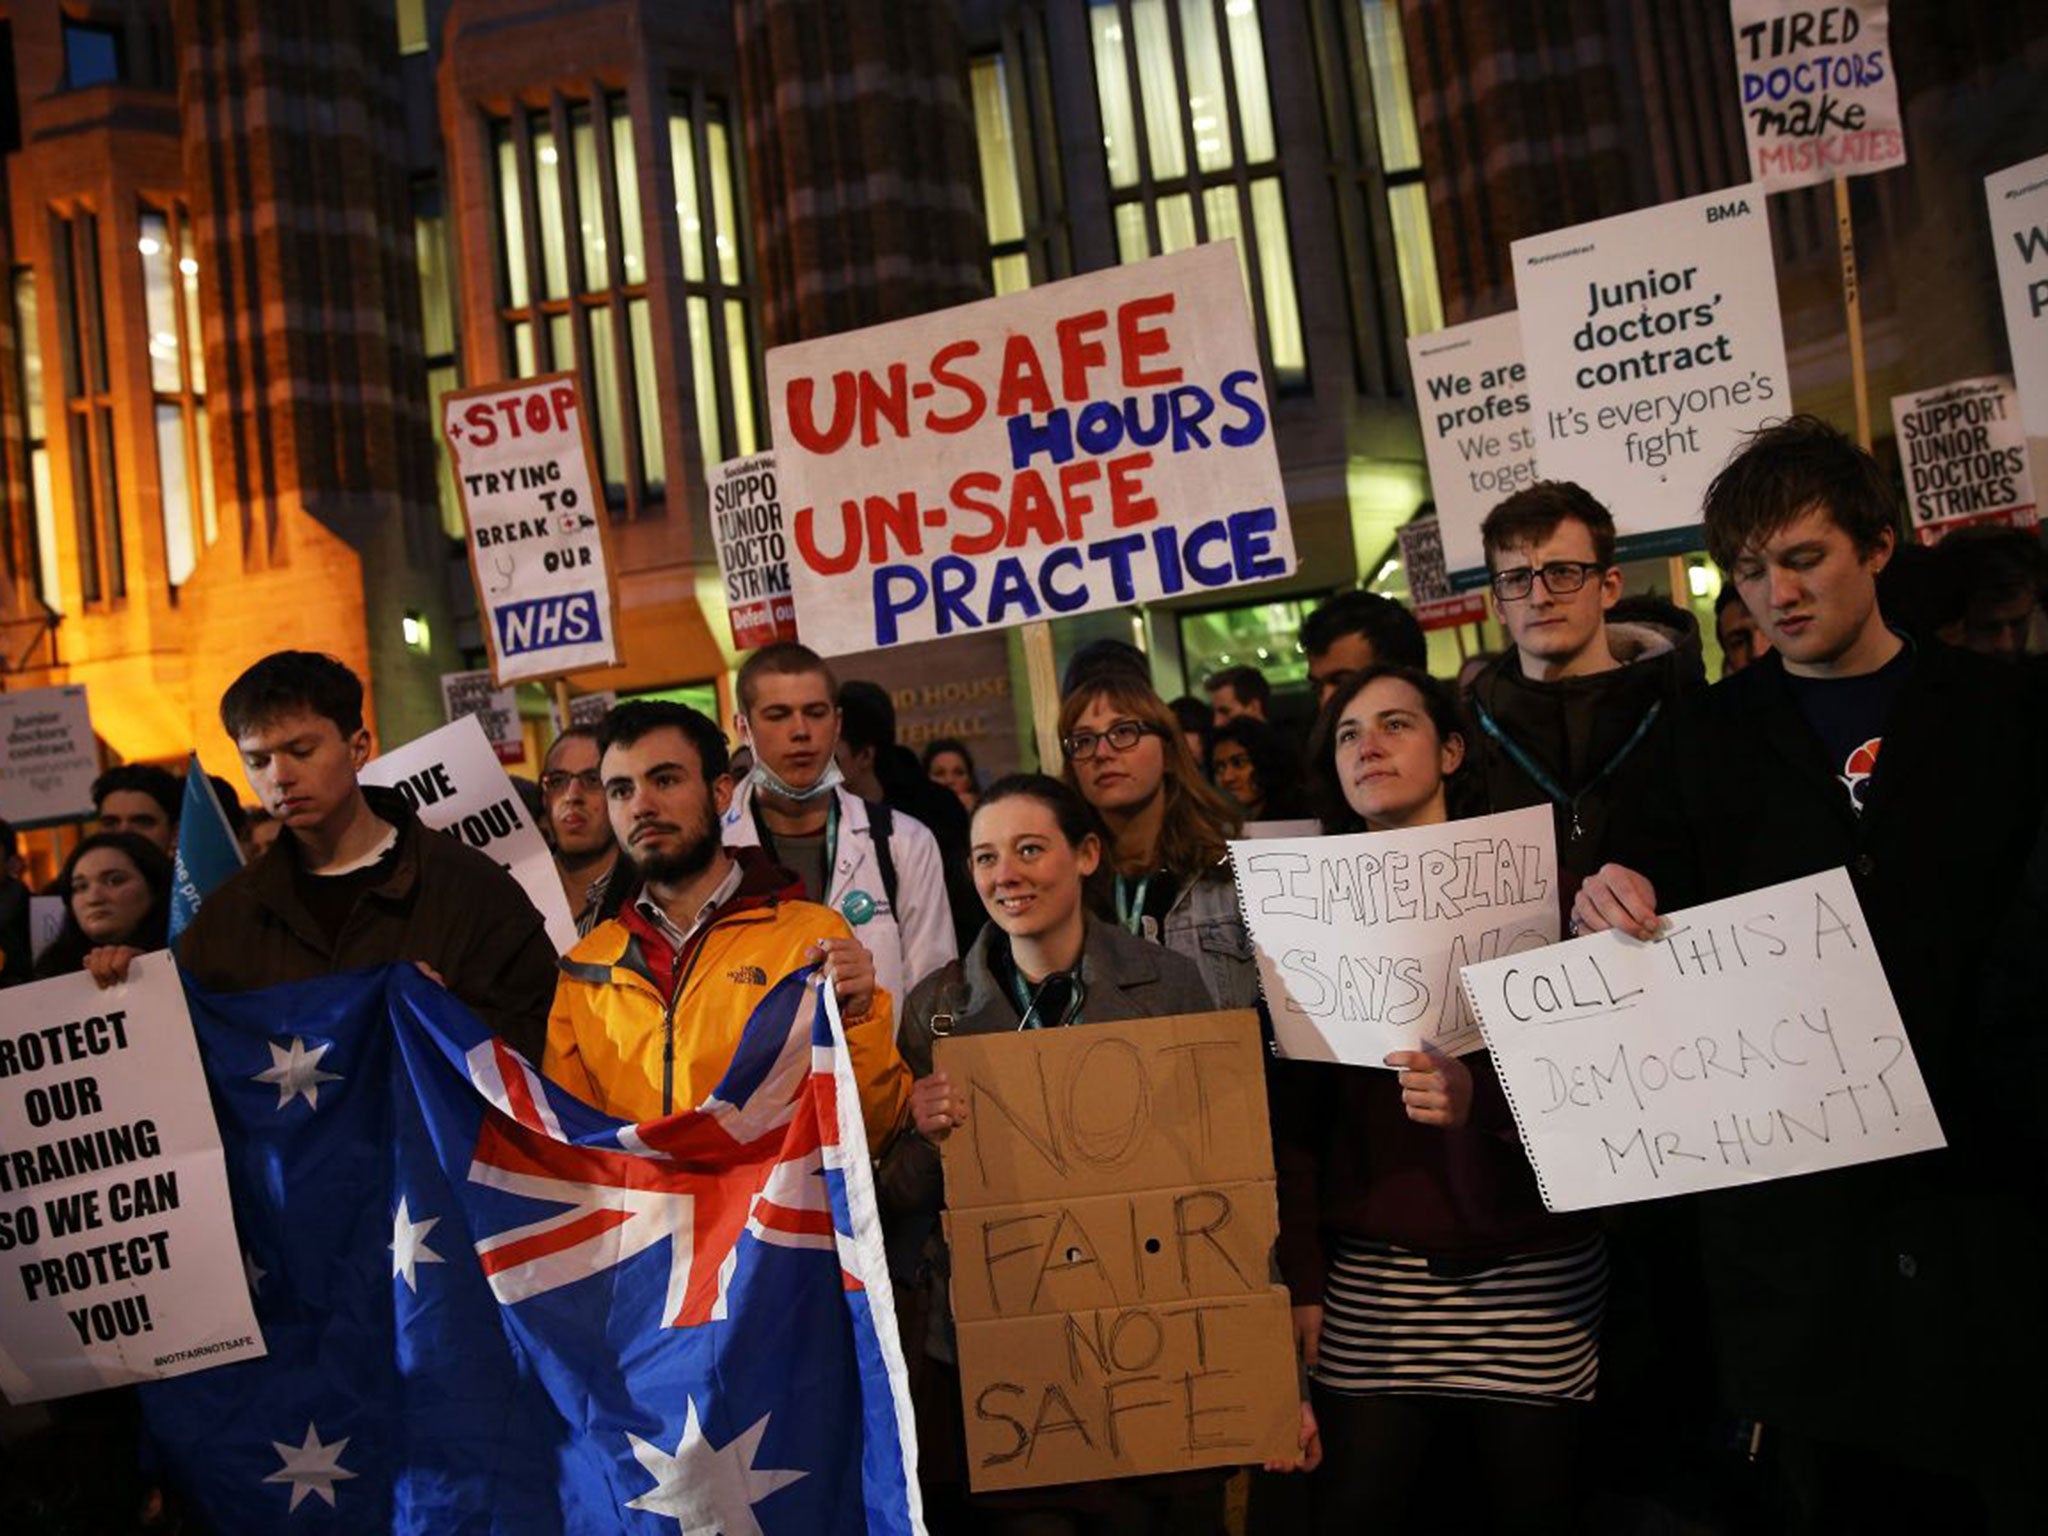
{"points": [[1042, 677], [1852, 303]]}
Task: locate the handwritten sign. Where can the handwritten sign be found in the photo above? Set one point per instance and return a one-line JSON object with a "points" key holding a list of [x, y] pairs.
{"points": [[536, 523], [1082, 445], [495, 709], [1963, 449], [1820, 90], [118, 1257], [2019, 234], [48, 758], [1653, 344], [1472, 393], [1755, 1040], [1111, 1216], [455, 783], [1360, 938], [1436, 605], [753, 552]]}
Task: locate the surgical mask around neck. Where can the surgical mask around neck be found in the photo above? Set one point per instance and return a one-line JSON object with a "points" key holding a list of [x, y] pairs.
{"points": [[769, 781]]}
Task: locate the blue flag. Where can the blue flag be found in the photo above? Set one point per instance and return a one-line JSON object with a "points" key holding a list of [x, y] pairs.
{"points": [[492, 1309], [207, 850]]}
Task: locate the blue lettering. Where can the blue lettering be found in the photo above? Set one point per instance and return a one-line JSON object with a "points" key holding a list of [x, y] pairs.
{"points": [[1237, 390], [1100, 428], [1010, 586], [1055, 599], [1118, 552], [1251, 549], [952, 580], [889, 581], [1217, 532], [1191, 407], [1146, 436], [570, 618], [1028, 439], [1166, 544]]}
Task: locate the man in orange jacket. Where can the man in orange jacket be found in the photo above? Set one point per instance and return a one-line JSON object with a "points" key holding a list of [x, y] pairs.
{"points": [[651, 1005]]}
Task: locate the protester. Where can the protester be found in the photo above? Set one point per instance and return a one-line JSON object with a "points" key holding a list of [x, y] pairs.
{"points": [[1870, 1320], [879, 870], [1238, 691], [1100, 657], [355, 879], [1256, 765], [1360, 629], [1168, 830], [1196, 727], [586, 853], [117, 891], [140, 798], [1742, 638], [262, 829], [15, 944], [2000, 579], [650, 1006], [950, 765], [1563, 716]]}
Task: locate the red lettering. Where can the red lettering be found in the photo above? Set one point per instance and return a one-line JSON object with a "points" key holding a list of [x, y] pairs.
{"points": [[987, 483], [898, 517], [563, 398], [482, 430], [803, 423], [1022, 387], [1128, 502], [1137, 342], [880, 403], [817, 559], [1079, 351], [1031, 511], [1075, 501], [975, 398]]}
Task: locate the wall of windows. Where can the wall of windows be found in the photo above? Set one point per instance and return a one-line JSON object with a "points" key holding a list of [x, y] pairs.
{"points": [[1002, 191], [437, 334], [717, 280], [1401, 165], [28, 343], [177, 381], [1190, 148], [88, 407]]}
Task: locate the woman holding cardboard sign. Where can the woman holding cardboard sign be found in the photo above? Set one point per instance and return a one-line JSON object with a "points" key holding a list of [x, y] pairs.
{"points": [[1446, 1316]]}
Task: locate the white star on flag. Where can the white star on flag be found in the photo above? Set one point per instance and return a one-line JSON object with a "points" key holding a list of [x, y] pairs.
{"points": [[256, 1272], [310, 1468], [409, 1246], [296, 1072], [711, 1491]]}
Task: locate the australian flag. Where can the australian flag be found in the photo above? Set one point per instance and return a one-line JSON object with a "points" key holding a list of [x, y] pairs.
{"points": [[491, 1309]]}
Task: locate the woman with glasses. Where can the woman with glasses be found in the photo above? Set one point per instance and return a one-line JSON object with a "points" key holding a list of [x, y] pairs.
{"points": [[1450, 1322], [1168, 829], [580, 830]]}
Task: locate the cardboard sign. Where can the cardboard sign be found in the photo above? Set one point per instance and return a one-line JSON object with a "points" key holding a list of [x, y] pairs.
{"points": [[1963, 449], [1082, 445], [1820, 90], [48, 758], [118, 1256], [457, 786], [753, 553], [2019, 233], [1653, 343], [1360, 938], [1435, 604], [1755, 1040], [1472, 394], [1111, 1216], [537, 526], [495, 709]]}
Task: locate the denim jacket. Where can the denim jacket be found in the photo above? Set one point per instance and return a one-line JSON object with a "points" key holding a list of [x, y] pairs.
{"points": [[1206, 924]]}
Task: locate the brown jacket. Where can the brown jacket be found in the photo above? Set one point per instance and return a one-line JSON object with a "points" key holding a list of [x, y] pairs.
{"points": [[444, 903]]}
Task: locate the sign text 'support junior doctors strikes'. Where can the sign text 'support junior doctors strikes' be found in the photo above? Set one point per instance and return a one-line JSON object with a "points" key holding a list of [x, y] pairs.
{"points": [[1084, 445]]}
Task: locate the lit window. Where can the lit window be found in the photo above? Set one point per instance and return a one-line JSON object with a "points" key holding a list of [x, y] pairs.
{"points": [[42, 518], [1001, 188], [88, 407], [1400, 148], [412, 26], [437, 335], [717, 278], [177, 380]]}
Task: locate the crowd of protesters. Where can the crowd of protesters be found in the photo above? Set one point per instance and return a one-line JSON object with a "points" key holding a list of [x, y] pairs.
{"points": [[1838, 1352]]}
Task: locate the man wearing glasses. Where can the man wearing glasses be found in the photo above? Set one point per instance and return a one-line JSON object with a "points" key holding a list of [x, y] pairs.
{"points": [[1564, 715], [586, 853]]}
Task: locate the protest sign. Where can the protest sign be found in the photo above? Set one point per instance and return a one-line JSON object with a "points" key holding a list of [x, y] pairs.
{"points": [[1111, 1215], [118, 1256], [584, 709], [536, 521], [48, 758], [753, 552], [495, 709], [1360, 938], [1820, 92], [1963, 450], [45, 922], [1653, 344], [1472, 394], [1436, 605], [1081, 445], [2019, 233], [452, 780], [1756, 1039]]}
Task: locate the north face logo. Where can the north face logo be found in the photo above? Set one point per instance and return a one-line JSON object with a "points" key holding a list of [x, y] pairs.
{"points": [[748, 975]]}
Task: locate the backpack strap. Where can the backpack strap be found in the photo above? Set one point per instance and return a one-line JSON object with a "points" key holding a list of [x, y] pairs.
{"points": [[881, 824]]}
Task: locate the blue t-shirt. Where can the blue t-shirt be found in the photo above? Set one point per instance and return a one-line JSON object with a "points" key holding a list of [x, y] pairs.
{"points": [[1848, 715]]}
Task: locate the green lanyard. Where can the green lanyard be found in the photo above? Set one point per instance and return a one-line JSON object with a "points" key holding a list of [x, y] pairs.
{"points": [[1130, 905], [1027, 1001], [831, 839]]}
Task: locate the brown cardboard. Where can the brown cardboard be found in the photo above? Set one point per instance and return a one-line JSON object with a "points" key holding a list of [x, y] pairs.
{"points": [[1111, 1217]]}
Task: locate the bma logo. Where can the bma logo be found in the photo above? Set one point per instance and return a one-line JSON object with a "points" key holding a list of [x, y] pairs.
{"points": [[1739, 209], [570, 619]]}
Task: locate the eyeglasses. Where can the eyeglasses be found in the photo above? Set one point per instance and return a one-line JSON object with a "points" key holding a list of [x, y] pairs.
{"points": [[1560, 578], [558, 782], [1122, 736]]}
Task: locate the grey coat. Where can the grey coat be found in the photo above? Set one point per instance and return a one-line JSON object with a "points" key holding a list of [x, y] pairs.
{"points": [[1206, 924]]}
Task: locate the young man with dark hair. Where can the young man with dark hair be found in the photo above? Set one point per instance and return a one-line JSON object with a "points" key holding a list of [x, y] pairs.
{"points": [[1355, 630], [1873, 1320], [880, 871], [140, 798], [1563, 716], [586, 853], [1742, 638], [652, 1003], [1238, 691], [354, 879]]}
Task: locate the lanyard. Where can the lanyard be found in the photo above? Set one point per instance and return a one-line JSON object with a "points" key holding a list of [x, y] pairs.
{"points": [[1130, 904], [1027, 1000], [831, 839], [1542, 779]]}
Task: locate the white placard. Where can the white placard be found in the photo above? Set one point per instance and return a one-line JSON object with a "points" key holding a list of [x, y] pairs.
{"points": [[1082, 445], [1653, 343], [1755, 1040], [535, 512], [1430, 594], [1820, 90], [1963, 451], [131, 1272], [1472, 394], [584, 709], [45, 922], [2019, 233], [1360, 938], [753, 551], [48, 758], [495, 709], [457, 786]]}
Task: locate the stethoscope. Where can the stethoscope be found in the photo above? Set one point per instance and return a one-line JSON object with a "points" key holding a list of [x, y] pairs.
{"points": [[1028, 1000]]}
